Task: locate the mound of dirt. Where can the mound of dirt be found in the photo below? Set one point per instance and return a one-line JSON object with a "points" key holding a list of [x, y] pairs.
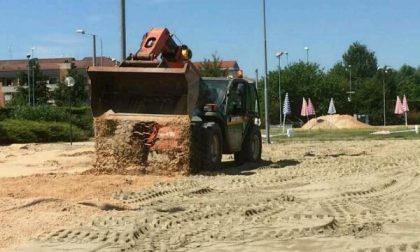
{"points": [[335, 122], [141, 145]]}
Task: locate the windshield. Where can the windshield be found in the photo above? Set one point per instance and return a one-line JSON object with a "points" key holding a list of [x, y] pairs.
{"points": [[213, 91]]}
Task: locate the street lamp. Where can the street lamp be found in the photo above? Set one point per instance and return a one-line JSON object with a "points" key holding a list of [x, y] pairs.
{"points": [[69, 81], [256, 79], [349, 92], [28, 56], [385, 71], [81, 31], [102, 53], [278, 55], [33, 75], [307, 54], [267, 123]]}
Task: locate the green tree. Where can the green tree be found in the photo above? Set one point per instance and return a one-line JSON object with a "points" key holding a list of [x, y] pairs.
{"points": [[408, 81], [41, 90], [76, 94], [213, 67], [369, 97], [299, 80], [336, 84], [363, 61]]}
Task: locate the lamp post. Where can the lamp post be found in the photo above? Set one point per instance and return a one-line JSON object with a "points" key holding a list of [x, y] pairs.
{"points": [[69, 81], [267, 123], [102, 53], [33, 81], [256, 79], [81, 31], [349, 92], [28, 56], [307, 54], [278, 55], [384, 72], [122, 30], [33, 75]]}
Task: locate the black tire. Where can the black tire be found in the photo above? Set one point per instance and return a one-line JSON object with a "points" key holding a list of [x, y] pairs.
{"points": [[206, 147], [251, 147]]}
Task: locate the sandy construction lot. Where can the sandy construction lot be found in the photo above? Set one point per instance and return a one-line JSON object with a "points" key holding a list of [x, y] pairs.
{"points": [[305, 196]]}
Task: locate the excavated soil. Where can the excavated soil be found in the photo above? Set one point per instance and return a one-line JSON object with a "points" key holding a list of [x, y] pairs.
{"points": [[304, 196], [334, 122], [124, 145]]}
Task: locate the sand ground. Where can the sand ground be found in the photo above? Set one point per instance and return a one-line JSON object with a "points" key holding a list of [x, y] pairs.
{"points": [[304, 196]]}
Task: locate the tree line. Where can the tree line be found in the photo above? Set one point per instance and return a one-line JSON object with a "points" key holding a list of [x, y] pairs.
{"points": [[358, 65], [61, 95]]}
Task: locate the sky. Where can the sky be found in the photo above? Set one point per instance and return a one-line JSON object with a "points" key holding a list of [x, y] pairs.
{"points": [[231, 28]]}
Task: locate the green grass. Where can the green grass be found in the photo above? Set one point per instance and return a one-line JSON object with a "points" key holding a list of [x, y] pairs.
{"points": [[342, 134]]}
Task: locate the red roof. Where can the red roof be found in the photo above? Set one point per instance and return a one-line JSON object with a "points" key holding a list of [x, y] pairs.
{"points": [[52, 63], [229, 64], [87, 61], [225, 64], [22, 64]]}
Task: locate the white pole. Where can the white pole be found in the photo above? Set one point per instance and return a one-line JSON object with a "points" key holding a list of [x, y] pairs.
{"points": [[266, 112], [405, 115], [284, 121]]}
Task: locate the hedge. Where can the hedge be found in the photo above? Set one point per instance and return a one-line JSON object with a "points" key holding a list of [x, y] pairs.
{"points": [[81, 116], [27, 131]]}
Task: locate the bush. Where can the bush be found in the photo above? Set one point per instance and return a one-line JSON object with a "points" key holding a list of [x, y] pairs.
{"points": [[26, 131], [5, 113], [81, 116]]}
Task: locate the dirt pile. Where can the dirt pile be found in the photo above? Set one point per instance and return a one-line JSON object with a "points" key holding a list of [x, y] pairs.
{"points": [[133, 144], [334, 122]]}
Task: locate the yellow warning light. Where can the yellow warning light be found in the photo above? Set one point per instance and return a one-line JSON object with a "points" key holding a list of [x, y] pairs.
{"points": [[186, 52], [240, 74]]}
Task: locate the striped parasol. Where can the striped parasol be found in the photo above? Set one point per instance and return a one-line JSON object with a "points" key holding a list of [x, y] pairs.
{"points": [[304, 110], [398, 107], [331, 108], [310, 109], [286, 109], [405, 105], [405, 109], [286, 106]]}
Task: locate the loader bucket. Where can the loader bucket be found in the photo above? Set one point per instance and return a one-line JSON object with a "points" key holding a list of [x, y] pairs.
{"points": [[144, 90], [142, 118]]}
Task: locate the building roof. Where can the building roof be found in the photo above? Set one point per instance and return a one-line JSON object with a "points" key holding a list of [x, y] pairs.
{"points": [[22, 64], [225, 64], [87, 62], [51, 63]]}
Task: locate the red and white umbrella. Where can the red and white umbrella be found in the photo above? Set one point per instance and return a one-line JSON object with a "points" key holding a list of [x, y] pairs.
{"points": [[310, 109], [398, 107], [405, 105], [405, 109], [304, 110]]}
